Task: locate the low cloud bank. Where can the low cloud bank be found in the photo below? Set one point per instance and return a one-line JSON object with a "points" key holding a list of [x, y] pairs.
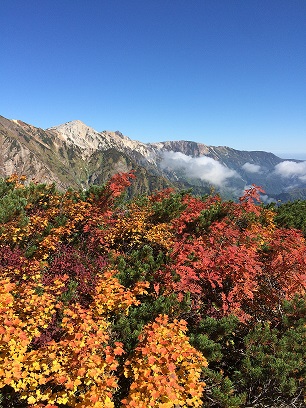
{"points": [[251, 168], [289, 169], [204, 168], [266, 199]]}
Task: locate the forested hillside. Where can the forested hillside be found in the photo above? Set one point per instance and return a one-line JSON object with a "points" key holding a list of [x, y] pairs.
{"points": [[167, 300]]}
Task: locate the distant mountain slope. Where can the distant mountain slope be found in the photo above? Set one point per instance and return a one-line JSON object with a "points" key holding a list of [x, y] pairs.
{"points": [[75, 155]]}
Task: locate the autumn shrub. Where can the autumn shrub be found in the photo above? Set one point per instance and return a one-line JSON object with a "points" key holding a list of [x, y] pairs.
{"points": [[167, 300], [165, 368]]}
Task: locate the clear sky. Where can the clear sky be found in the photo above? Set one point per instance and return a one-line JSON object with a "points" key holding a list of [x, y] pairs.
{"points": [[219, 72]]}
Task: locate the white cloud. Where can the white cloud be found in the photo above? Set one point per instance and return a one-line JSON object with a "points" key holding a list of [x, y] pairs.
{"points": [[290, 169], [204, 168], [266, 199], [251, 168]]}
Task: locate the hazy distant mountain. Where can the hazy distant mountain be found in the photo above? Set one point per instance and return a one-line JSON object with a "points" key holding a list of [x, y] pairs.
{"points": [[75, 155]]}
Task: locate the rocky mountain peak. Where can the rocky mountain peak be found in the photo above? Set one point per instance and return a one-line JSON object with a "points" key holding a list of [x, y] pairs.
{"points": [[78, 133]]}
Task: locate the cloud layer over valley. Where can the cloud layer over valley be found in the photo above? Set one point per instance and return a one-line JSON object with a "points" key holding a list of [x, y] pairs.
{"points": [[283, 176], [290, 169], [205, 168], [252, 168]]}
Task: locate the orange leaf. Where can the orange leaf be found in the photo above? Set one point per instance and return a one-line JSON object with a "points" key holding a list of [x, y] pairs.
{"points": [[109, 359], [118, 351], [94, 398]]}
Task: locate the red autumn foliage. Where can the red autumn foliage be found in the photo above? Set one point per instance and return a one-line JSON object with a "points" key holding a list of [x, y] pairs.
{"points": [[239, 263]]}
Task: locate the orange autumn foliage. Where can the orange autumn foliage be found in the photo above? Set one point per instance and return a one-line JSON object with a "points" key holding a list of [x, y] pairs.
{"points": [[62, 304], [82, 361], [166, 369]]}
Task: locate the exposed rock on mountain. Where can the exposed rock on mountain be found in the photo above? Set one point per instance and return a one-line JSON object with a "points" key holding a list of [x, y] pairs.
{"points": [[75, 155]]}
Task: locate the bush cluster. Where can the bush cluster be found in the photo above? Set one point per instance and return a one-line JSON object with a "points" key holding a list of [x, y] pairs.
{"points": [[167, 300]]}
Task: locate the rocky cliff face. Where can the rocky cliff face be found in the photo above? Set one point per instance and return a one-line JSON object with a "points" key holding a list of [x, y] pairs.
{"points": [[76, 133], [75, 155]]}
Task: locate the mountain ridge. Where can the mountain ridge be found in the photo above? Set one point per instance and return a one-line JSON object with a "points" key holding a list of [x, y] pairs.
{"points": [[76, 155]]}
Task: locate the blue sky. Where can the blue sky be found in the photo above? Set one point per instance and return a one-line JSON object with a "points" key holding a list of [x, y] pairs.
{"points": [[219, 72]]}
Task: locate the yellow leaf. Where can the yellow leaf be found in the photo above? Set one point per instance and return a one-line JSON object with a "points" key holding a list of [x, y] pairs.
{"points": [[36, 365], [31, 400]]}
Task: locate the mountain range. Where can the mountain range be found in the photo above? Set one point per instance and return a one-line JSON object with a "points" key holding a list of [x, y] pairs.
{"points": [[77, 156]]}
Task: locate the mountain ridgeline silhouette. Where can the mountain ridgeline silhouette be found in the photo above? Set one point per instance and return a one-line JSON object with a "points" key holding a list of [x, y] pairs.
{"points": [[77, 156]]}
